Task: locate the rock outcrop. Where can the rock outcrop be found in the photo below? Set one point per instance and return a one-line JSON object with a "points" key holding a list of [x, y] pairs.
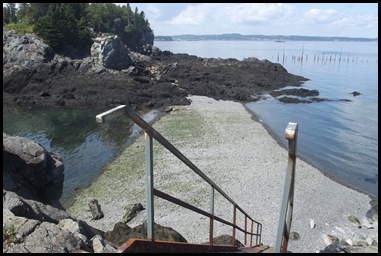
{"points": [[114, 74], [31, 171], [110, 52], [33, 219], [32, 227]]}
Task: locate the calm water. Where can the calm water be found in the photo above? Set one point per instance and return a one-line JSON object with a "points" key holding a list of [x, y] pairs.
{"points": [[339, 137], [84, 145]]}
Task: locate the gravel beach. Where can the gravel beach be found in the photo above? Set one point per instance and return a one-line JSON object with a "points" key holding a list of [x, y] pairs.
{"points": [[238, 154]]}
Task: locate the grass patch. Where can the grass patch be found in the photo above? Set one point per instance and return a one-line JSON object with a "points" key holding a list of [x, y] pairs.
{"points": [[124, 177], [21, 28], [9, 234], [184, 123], [116, 179]]}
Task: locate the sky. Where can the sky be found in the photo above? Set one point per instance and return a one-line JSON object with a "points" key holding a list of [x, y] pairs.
{"points": [[304, 19]]}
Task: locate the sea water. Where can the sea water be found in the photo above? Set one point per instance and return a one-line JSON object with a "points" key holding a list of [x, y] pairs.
{"points": [[338, 137]]}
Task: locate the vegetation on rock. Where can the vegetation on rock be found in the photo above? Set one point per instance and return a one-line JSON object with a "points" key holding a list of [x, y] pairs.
{"points": [[69, 27]]}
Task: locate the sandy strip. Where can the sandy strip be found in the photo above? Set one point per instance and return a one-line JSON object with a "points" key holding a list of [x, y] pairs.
{"points": [[239, 155]]}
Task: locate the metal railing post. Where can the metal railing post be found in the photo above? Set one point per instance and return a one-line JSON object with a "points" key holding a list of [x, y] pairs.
{"points": [[245, 242], [234, 223], [212, 213], [251, 234], [258, 238], [149, 187], [285, 216]]}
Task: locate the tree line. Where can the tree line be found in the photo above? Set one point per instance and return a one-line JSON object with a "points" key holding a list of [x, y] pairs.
{"points": [[70, 27]]}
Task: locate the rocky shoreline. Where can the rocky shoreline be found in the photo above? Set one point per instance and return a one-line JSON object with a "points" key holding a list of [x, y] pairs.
{"points": [[102, 220], [33, 75]]}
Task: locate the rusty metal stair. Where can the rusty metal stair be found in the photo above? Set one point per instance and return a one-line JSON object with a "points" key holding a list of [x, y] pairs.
{"points": [[255, 232], [147, 246]]}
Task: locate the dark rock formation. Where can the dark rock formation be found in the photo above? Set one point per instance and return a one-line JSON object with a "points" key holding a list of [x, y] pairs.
{"points": [[287, 99], [355, 93], [131, 211], [31, 171], [122, 232], [95, 210], [343, 247], [227, 240], [300, 92], [31, 226], [300, 95], [34, 75], [32, 209]]}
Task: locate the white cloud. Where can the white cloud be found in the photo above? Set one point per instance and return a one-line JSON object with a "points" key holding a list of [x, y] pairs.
{"points": [[314, 19], [340, 23], [248, 12], [358, 20], [321, 15], [237, 13], [153, 11], [193, 15]]}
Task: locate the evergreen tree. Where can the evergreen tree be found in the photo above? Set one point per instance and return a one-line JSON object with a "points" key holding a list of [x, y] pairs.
{"points": [[6, 14], [23, 12], [38, 10], [61, 30], [65, 26], [9, 13]]}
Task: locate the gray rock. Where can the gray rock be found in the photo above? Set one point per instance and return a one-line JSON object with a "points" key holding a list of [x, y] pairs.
{"points": [[32, 209], [31, 171], [49, 238], [95, 210], [34, 236], [110, 52], [100, 245], [122, 232], [354, 220], [226, 239], [131, 211]]}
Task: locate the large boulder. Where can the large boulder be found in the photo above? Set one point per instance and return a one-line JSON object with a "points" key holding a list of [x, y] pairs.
{"points": [[25, 57], [28, 235], [30, 226], [31, 171], [31, 209], [110, 52], [25, 50], [28, 61], [122, 232]]}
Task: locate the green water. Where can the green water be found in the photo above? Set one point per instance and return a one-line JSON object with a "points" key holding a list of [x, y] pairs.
{"points": [[84, 145]]}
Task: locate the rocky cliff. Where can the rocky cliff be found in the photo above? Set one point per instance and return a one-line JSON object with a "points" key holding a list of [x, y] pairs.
{"points": [[113, 74]]}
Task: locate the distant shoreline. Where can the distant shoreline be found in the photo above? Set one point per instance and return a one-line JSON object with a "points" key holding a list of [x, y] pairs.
{"points": [[239, 37]]}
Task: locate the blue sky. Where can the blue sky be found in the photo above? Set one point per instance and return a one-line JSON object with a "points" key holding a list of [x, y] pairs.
{"points": [[305, 19]]}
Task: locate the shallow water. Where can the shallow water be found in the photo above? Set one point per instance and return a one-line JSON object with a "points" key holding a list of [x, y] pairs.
{"points": [[84, 145]]}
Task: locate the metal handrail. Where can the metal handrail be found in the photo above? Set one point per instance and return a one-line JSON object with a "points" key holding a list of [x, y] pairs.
{"points": [[285, 217], [151, 191]]}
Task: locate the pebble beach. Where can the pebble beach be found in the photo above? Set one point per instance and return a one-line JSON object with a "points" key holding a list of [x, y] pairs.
{"points": [[236, 151]]}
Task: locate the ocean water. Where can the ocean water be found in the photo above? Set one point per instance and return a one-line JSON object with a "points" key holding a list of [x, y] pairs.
{"points": [[338, 137]]}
